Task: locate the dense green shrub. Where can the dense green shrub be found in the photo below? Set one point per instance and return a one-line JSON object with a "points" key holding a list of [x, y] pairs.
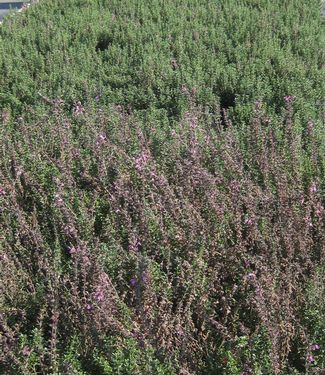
{"points": [[140, 54], [162, 183]]}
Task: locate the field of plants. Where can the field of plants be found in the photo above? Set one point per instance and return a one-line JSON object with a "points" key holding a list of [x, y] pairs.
{"points": [[162, 188]]}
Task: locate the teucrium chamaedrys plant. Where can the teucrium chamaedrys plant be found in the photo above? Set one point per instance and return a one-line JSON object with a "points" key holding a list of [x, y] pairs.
{"points": [[197, 249], [162, 209]]}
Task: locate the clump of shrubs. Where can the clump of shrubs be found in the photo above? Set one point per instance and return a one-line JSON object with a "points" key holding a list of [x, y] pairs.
{"points": [[134, 249]]}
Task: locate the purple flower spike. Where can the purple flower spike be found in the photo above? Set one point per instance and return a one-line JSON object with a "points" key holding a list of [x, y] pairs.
{"points": [[249, 221], [74, 249], [247, 370], [289, 99], [320, 209], [313, 188], [78, 109], [25, 351], [310, 359], [99, 296], [142, 160]]}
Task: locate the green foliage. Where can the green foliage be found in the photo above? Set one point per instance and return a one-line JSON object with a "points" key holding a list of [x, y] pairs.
{"points": [[127, 358], [143, 54], [315, 316], [162, 188]]}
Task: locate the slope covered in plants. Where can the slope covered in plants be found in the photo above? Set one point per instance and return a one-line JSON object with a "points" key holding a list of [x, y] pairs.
{"points": [[140, 54], [162, 188]]}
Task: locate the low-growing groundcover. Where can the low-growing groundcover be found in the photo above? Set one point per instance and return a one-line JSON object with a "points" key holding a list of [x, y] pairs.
{"points": [[162, 188]]}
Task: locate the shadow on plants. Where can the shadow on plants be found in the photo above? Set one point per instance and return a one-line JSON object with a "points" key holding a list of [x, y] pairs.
{"points": [[227, 101], [103, 42]]}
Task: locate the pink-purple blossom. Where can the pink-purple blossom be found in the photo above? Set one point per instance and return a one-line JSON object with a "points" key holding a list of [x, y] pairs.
{"points": [[134, 244], [58, 200], [78, 109], [74, 249], [310, 359], [99, 296], [308, 221], [313, 188], [249, 221], [247, 370], [26, 351], [101, 140], [142, 160], [319, 210], [289, 99]]}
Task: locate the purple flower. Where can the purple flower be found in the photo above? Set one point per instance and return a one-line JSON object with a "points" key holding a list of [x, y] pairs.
{"points": [[320, 209], [69, 230], [313, 188], [25, 351], [101, 139], [58, 200], [134, 244], [97, 98], [74, 249], [246, 371], [78, 109], [289, 99], [99, 295], [308, 221], [315, 347], [85, 260], [2, 192], [310, 359], [249, 221], [133, 281], [142, 160]]}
